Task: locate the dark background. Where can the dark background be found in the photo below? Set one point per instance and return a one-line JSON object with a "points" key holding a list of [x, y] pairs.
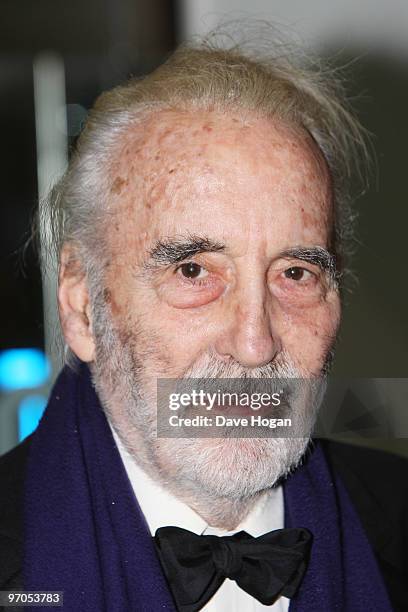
{"points": [[101, 44]]}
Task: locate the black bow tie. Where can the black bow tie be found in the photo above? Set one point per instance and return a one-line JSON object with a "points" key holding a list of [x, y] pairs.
{"points": [[265, 567]]}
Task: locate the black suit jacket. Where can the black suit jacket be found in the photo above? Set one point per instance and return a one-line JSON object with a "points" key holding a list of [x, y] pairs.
{"points": [[376, 481]]}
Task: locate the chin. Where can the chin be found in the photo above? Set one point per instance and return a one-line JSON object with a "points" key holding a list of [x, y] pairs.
{"points": [[233, 468]]}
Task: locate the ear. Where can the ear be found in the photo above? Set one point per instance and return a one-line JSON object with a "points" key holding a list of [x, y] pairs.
{"points": [[74, 306]]}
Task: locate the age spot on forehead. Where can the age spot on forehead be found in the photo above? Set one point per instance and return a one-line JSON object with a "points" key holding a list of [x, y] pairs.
{"points": [[118, 184]]}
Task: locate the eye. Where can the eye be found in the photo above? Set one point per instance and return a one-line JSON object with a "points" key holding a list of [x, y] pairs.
{"points": [[298, 274], [192, 270]]}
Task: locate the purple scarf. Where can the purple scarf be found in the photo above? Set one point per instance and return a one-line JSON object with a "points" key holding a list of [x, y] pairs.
{"points": [[86, 535]]}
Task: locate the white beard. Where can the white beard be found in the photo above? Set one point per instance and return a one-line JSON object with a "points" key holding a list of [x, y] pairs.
{"points": [[209, 469]]}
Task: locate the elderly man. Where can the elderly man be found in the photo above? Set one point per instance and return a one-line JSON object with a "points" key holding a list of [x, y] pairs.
{"points": [[200, 231]]}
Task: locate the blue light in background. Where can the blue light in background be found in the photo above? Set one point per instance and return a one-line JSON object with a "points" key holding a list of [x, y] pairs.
{"points": [[30, 411], [23, 368]]}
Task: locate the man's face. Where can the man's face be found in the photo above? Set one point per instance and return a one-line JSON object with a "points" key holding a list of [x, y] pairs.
{"points": [[220, 234]]}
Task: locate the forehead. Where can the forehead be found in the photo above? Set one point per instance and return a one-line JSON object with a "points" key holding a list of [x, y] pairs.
{"points": [[170, 134], [219, 174]]}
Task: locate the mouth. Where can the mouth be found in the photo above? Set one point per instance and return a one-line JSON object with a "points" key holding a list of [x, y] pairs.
{"points": [[237, 410]]}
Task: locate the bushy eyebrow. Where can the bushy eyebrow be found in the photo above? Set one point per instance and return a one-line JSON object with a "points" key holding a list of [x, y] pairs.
{"points": [[318, 256], [169, 251]]}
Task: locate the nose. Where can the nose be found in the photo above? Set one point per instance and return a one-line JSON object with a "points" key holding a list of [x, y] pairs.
{"points": [[248, 336]]}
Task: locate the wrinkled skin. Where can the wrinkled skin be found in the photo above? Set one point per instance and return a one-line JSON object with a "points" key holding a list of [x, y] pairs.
{"points": [[251, 185]]}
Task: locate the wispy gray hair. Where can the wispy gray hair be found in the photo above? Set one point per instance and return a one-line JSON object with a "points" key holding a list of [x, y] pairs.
{"points": [[280, 80]]}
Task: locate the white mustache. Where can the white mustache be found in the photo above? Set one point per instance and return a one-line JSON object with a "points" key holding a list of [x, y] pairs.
{"points": [[209, 374], [212, 367]]}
